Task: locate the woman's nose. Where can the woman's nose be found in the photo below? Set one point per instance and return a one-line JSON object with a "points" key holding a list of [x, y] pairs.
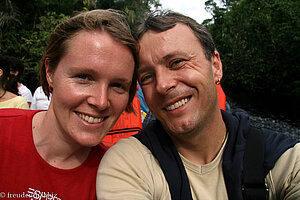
{"points": [[99, 98]]}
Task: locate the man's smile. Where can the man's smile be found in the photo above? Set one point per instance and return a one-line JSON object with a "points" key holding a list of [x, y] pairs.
{"points": [[177, 104]]}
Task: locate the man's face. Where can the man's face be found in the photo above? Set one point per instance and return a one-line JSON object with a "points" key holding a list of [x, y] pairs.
{"points": [[177, 80]]}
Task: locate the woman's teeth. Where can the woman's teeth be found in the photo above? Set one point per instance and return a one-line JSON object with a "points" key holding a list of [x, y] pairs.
{"points": [[177, 104], [89, 119]]}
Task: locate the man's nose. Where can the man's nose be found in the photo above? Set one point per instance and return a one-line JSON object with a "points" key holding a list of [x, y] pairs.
{"points": [[164, 80]]}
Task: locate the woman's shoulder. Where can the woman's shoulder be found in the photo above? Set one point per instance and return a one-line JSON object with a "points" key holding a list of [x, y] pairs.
{"points": [[14, 113]]}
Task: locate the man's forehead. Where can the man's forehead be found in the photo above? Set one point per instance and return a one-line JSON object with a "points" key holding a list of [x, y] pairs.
{"points": [[177, 29], [179, 35]]}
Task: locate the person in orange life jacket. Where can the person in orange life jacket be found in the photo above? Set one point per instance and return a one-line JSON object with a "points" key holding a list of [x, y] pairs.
{"points": [[128, 124], [89, 67], [203, 145]]}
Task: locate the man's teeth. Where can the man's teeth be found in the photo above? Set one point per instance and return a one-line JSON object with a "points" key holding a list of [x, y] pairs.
{"points": [[177, 104], [89, 119]]}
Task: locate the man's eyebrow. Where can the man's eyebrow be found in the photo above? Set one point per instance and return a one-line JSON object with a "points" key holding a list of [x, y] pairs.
{"points": [[142, 69], [175, 53], [165, 58]]}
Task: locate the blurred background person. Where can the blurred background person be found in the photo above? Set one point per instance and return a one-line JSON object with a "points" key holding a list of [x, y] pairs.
{"points": [[39, 100], [8, 88], [17, 69]]}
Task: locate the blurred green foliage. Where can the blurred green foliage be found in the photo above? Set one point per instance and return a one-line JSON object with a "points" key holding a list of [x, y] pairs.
{"points": [[25, 26], [259, 45]]}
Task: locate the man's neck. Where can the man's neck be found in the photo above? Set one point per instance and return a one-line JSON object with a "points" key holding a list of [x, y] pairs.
{"points": [[204, 146]]}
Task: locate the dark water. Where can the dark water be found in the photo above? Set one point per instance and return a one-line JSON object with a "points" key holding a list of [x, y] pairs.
{"points": [[276, 116], [266, 106]]}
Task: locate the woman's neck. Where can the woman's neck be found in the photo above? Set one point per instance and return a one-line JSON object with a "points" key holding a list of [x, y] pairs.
{"points": [[52, 148]]}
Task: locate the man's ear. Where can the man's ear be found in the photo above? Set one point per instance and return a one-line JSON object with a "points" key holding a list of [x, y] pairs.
{"points": [[1, 72], [217, 67], [49, 74]]}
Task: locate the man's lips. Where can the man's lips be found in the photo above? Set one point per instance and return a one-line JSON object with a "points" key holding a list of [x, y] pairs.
{"points": [[177, 104]]}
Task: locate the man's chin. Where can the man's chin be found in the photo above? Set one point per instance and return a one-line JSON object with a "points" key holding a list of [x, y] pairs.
{"points": [[178, 128]]}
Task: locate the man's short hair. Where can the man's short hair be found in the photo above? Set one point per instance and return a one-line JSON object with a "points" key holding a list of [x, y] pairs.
{"points": [[162, 20]]}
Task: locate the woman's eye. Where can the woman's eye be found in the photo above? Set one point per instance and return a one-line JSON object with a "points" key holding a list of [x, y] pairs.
{"points": [[120, 87]]}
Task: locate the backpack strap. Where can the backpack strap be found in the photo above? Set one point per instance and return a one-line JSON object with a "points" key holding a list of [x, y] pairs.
{"points": [[254, 186], [159, 143], [163, 149]]}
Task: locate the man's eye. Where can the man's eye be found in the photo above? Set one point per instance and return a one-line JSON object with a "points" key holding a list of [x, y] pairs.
{"points": [[82, 76], [117, 85], [145, 79], [177, 63]]}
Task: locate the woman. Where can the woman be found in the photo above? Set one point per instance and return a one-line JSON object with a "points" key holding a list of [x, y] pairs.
{"points": [[89, 69], [7, 98]]}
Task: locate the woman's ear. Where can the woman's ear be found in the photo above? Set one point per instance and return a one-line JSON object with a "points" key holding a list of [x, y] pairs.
{"points": [[217, 67], [49, 74]]}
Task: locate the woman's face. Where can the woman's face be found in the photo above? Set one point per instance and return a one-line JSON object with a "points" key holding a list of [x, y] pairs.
{"points": [[90, 87]]}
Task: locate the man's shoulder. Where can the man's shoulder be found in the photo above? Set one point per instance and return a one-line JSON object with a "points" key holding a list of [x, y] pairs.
{"points": [[276, 144], [130, 151], [290, 156], [129, 145], [291, 153], [285, 176]]}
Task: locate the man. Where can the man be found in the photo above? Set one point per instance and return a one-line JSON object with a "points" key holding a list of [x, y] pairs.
{"points": [[17, 70], [193, 146]]}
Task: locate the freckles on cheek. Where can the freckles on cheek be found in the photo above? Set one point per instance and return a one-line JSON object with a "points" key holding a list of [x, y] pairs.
{"points": [[68, 95], [119, 103]]}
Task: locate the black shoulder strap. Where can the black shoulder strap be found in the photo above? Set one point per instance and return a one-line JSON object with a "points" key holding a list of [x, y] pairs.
{"points": [[163, 149], [254, 186]]}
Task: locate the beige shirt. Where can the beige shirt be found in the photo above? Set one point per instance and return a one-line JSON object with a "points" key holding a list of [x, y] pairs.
{"points": [[129, 171], [16, 102]]}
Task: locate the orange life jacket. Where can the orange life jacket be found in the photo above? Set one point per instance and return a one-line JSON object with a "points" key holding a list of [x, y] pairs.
{"points": [[128, 124], [221, 97]]}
